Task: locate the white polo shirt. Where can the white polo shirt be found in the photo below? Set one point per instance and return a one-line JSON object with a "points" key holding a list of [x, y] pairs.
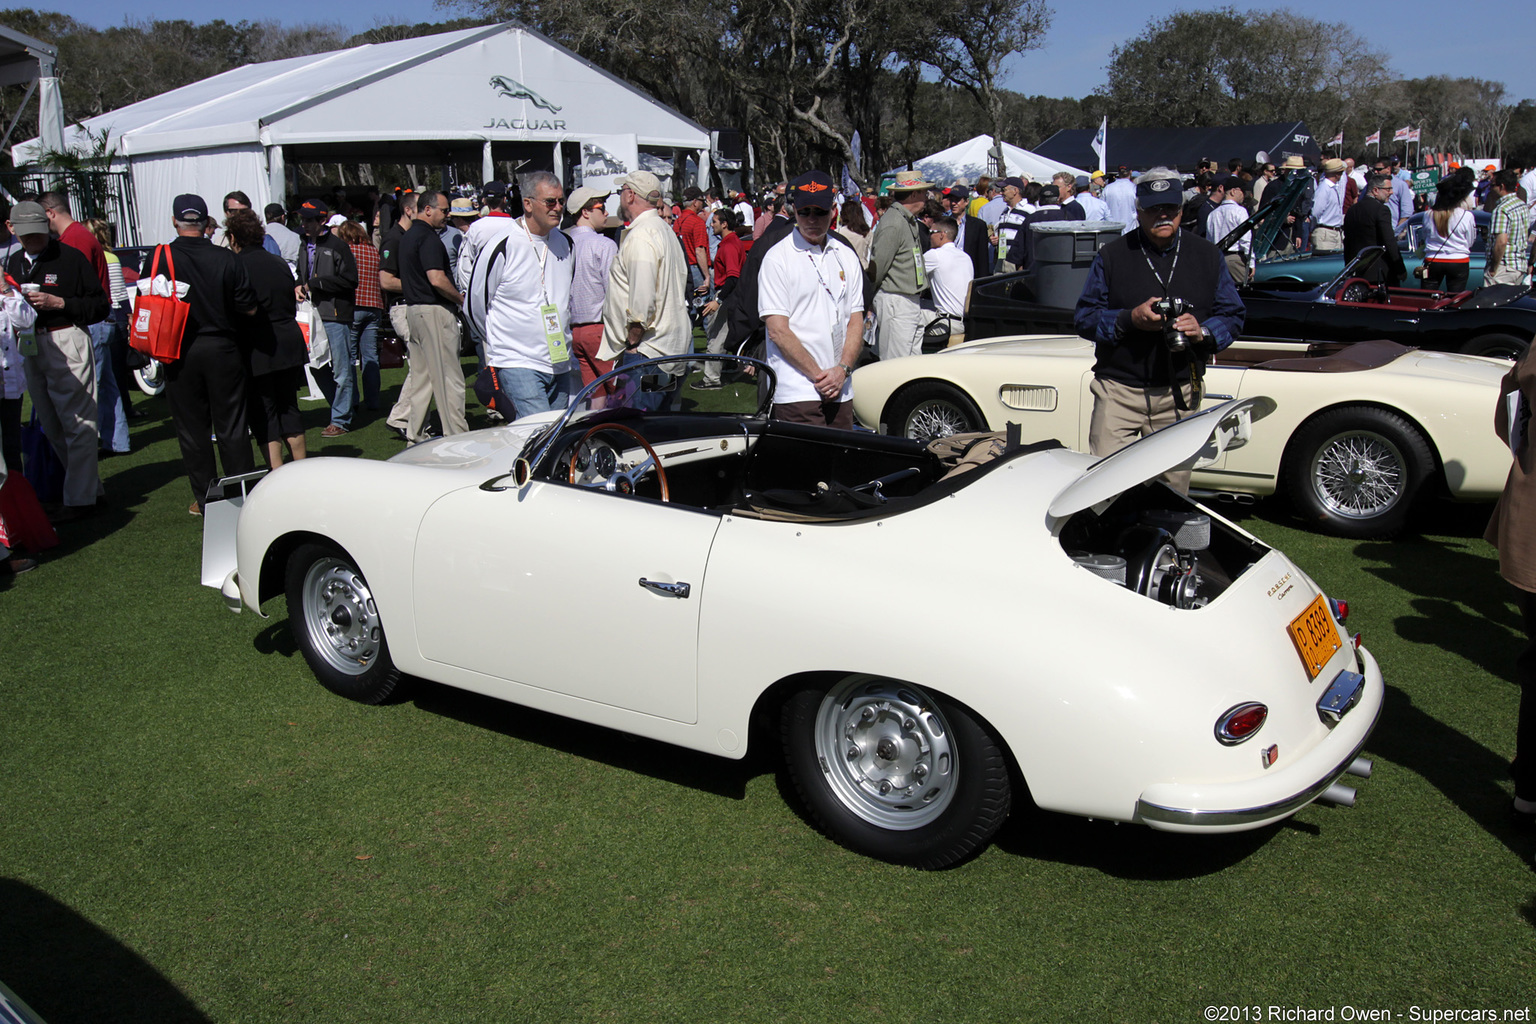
{"points": [[818, 287], [518, 274], [950, 272]]}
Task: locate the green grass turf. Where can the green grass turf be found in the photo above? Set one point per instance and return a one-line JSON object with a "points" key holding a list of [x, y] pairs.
{"points": [[194, 829]]}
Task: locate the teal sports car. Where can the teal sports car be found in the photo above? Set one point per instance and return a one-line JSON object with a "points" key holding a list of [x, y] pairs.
{"points": [[1310, 268]]}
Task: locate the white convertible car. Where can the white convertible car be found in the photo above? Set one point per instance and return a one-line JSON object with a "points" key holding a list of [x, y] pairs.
{"points": [[774, 583], [1354, 436]]}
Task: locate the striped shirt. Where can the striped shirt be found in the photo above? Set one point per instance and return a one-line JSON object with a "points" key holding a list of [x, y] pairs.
{"points": [[368, 295], [593, 254]]}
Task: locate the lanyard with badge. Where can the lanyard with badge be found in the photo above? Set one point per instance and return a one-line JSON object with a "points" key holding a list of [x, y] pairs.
{"points": [[917, 257], [549, 313], [839, 325]]}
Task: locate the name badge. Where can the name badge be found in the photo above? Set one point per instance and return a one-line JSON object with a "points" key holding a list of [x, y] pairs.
{"points": [[917, 262], [554, 335]]}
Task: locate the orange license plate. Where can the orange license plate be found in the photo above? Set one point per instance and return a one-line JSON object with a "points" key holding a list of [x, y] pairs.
{"points": [[1314, 635]]}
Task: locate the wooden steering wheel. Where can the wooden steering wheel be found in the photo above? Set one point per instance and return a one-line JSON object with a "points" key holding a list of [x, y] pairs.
{"points": [[620, 481]]}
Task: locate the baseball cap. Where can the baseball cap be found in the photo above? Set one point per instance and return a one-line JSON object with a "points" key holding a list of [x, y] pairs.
{"points": [[29, 219], [1158, 188], [691, 193], [185, 207], [1081, 181], [813, 188], [494, 188], [958, 192], [313, 208], [1017, 183], [274, 211], [643, 182], [336, 221], [582, 197]]}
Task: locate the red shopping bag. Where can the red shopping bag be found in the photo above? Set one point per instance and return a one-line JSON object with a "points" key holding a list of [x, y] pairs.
{"points": [[159, 320]]}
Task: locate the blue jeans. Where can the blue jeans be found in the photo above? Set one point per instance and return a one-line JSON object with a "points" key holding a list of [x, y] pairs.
{"points": [[343, 359], [534, 391], [365, 342], [111, 417]]}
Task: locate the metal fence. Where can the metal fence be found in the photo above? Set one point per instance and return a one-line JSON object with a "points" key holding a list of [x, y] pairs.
{"points": [[104, 194]]}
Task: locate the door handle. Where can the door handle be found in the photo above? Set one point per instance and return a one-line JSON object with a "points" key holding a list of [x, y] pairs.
{"points": [[673, 589]]}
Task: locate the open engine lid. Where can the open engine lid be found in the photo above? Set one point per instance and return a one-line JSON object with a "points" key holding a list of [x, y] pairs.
{"points": [[1195, 442]]}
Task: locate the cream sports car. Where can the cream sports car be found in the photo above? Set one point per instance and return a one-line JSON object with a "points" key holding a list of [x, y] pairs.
{"points": [[1354, 437], [673, 564]]}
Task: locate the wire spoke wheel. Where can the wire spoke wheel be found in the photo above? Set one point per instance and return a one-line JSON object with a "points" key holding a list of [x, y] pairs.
{"points": [[930, 410], [339, 616], [1359, 474], [935, 419], [887, 752]]}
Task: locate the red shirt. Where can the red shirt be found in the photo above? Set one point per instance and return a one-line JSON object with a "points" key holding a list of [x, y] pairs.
{"points": [[78, 236], [728, 258], [368, 295], [690, 228]]}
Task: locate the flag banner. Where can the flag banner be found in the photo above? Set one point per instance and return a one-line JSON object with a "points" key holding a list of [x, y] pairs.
{"points": [[850, 187], [1373, 139], [1413, 136], [1401, 135], [1098, 143], [1337, 140]]}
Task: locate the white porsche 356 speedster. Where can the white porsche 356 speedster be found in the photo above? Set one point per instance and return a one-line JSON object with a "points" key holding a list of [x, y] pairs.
{"points": [[481, 561]]}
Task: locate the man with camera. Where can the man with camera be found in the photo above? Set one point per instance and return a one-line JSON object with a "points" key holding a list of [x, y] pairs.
{"points": [[1158, 302]]}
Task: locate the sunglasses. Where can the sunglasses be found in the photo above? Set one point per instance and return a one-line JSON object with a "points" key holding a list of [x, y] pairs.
{"points": [[811, 211], [549, 204]]}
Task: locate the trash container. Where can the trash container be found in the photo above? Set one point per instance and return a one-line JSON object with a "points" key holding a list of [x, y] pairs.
{"points": [[1064, 251]]}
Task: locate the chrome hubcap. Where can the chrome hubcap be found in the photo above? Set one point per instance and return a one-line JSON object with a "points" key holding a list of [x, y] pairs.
{"points": [[1358, 474], [886, 752], [935, 419], [340, 616]]}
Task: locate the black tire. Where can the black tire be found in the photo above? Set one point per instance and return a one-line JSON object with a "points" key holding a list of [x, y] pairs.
{"points": [[1496, 346], [336, 625], [932, 409], [1354, 471], [945, 776]]}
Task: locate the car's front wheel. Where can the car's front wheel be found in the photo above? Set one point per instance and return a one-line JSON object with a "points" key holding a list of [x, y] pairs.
{"points": [[335, 622], [931, 410], [1354, 471], [892, 772]]}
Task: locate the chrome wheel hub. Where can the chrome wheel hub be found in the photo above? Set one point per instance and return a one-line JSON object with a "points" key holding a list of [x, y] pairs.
{"points": [[885, 751], [340, 616], [1358, 474], [935, 419]]}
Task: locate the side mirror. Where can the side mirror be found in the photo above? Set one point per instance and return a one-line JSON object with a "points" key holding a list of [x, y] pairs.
{"points": [[522, 472]]}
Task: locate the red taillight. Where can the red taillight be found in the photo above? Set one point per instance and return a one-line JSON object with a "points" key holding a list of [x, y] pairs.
{"points": [[1357, 638], [1240, 723], [1340, 610]]}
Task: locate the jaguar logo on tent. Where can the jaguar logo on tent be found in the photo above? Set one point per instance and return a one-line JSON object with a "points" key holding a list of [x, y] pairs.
{"points": [[512, 89]]}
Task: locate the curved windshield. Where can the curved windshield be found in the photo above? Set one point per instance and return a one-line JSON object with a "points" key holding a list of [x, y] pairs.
{"points": [[723, 385]]}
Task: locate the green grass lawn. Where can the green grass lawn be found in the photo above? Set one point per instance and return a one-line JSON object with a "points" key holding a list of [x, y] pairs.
{"points": [[193, 829]]}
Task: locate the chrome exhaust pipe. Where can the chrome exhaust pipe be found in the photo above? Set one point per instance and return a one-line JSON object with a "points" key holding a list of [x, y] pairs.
{"points": [[1360, 766], [1224, 497], [1337, 794]]}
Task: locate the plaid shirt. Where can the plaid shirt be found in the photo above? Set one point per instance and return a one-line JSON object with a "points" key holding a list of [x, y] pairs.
{"points": [[368, 294], [1512, 217]]}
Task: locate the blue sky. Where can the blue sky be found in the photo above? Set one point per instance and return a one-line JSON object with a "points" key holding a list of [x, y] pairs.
{"points": [[1421, 38]]}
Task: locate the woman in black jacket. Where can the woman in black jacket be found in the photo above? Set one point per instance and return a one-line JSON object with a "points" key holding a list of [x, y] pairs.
{"points": [[277, 350]]}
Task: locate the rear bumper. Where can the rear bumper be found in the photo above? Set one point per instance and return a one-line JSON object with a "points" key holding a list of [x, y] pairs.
{"points": [[1276, 795]]}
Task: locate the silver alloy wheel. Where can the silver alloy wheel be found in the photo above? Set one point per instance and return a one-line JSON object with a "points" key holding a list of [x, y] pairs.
{"points": [[340, 616], [1358, 474], [885, 752], [934, 418]]}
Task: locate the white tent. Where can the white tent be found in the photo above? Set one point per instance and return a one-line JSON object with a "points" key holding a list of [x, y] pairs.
{"points": [[968, 160], [502, 92]]}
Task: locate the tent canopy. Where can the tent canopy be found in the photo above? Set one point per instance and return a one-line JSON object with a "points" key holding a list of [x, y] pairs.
{"points": [[968, 160], [1184, 148], [499, 90], [28, 61], [497, 82]]}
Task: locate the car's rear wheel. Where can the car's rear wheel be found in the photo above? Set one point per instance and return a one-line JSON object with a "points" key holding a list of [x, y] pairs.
{"points": [[892, 772], [336, 625], [930, 410], [1354, 471], [1495, 346], [150, 378]]}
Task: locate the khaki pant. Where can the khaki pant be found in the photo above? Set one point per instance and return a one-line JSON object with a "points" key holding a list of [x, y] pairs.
{"points": [[1506, 275], [899, 323], [434, 347], [61, 379], [1327, 239], [1237, 266], [417, 389], [1123, 414]]}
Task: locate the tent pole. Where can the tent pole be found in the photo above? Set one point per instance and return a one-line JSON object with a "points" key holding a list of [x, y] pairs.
{"points": [[559, 162], [487, 163], [277, 175]]}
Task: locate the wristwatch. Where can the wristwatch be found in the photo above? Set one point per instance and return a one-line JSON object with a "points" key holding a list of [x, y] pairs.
{"points": [[847, 370]]}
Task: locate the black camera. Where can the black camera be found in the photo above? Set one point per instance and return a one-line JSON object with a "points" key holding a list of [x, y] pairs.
{"points": [[1170, 309]]}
